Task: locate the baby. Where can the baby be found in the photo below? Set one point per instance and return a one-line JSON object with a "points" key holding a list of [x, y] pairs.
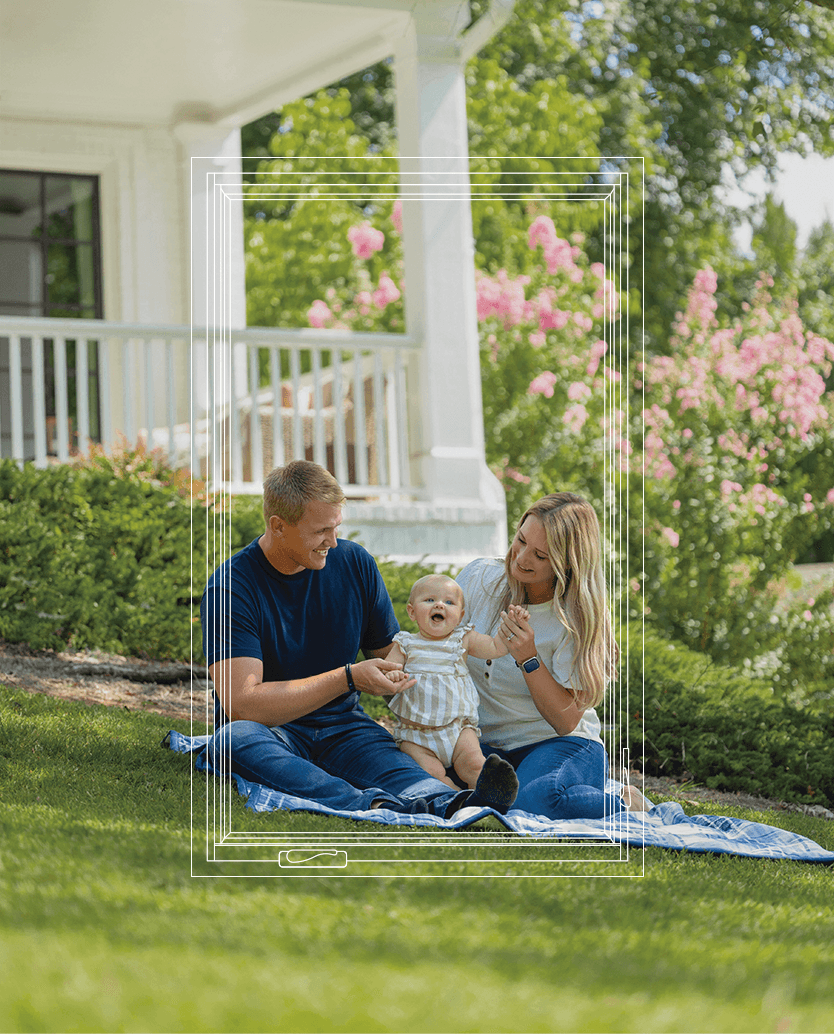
{"points": [[437, 719]]}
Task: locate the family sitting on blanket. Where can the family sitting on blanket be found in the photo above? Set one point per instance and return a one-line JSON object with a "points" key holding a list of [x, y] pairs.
{"points": [[285, 618]]}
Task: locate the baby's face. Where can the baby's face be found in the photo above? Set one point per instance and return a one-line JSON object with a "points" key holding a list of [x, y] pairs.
{"points": [[437, 607]]}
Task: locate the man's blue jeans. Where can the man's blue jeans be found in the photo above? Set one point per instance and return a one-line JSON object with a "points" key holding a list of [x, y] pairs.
{"points": [[344, 760], [562, 778]]}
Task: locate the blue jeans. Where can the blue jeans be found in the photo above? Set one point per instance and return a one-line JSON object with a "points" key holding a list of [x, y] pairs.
{"points": [[344, 760], [562, 778]]}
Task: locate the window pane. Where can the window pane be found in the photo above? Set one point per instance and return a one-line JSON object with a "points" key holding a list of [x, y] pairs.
{"points": [[69, 206], [20, 204], [70, 278], [20, 273]]}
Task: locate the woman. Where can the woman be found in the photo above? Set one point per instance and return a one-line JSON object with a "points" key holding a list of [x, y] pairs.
{"points": [[537, 704]]}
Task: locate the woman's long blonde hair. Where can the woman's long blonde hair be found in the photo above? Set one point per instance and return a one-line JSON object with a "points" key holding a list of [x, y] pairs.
{"points": [[579, 598]]}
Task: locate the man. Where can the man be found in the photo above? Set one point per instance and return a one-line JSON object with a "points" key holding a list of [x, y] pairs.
{"points": [[283, 621]]}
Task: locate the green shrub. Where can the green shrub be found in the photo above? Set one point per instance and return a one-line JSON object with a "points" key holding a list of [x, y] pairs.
{"points": [[100, 554], [724, 729]]}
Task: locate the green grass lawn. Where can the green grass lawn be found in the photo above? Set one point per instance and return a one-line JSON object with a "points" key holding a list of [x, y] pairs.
{"points": [[105, 929]]}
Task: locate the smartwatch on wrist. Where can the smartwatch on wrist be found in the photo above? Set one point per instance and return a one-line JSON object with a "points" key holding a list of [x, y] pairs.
{"points": [[529, 666]]}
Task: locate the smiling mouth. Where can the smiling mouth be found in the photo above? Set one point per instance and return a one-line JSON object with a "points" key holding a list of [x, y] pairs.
{"points": [[438, 618]]}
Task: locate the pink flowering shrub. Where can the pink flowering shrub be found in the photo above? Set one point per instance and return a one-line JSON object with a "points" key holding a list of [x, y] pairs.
{"points": [[737, 471], [548, 378], [553, 405], [369, 298]]}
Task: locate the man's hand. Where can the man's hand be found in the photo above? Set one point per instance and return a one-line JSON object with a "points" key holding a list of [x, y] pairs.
{"points": [[380, 677]]}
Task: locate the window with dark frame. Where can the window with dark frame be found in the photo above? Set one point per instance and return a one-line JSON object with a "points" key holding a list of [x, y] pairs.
{"points": [[50, 265]]}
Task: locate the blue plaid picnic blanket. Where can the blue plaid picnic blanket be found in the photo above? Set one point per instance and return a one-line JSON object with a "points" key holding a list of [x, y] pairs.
{"points": [[665, 825]]}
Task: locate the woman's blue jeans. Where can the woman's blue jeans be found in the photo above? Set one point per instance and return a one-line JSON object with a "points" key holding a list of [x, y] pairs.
{"points": [[344, 760], [561, 778]]}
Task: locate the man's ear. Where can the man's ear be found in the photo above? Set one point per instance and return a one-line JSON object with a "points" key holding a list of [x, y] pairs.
{"points": [[276, 524]]}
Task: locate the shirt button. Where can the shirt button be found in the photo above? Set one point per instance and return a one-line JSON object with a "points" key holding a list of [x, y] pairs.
{"points": [[486, 675], [489, 662]]}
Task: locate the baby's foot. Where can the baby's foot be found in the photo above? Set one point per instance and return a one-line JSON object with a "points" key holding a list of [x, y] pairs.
{"points": [[497, 785]]}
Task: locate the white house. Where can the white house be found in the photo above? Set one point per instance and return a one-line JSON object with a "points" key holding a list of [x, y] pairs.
{"points": [[122, 304]]}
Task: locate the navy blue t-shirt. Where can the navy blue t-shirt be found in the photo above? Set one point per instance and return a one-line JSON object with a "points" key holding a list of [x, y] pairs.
{"points": [[299, 624]]}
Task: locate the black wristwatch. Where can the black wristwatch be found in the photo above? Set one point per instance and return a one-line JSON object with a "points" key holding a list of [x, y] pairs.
{"points": [[531, 665]]}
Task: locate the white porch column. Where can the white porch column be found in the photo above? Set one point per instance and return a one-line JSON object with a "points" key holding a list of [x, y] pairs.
{"points": [[439, 265], [212, 171], [211, 161]]}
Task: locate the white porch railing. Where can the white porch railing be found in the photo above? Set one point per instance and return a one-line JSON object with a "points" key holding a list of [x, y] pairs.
{"points": [[228, 409]]}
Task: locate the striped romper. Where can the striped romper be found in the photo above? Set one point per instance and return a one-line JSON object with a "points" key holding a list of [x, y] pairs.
{"points": [[444, 700]]}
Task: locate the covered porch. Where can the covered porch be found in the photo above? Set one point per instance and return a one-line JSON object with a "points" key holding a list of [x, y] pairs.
{"points": [[168, 360]]}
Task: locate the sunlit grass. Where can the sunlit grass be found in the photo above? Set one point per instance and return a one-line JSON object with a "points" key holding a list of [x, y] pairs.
{"points": [[104, 929]]}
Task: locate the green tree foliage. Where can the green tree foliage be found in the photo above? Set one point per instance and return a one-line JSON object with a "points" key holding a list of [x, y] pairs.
{"points": [[694, 87], [816, 282], [774, 242]]}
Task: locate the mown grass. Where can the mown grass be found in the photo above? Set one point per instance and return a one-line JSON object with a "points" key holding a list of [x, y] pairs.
{"points": [[104, 928]]}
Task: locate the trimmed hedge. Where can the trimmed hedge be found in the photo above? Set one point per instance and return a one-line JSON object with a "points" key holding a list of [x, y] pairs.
{"points": [[720, 727], [99, 555]]}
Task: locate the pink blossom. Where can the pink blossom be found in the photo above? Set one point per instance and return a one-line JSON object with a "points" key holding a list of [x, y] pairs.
{"points": [[575, 416], [557, 252], [553, 320], [319, 313], [397, 216], [672, 537], [365, 240], [830, 497], [502, 297], [543, 384], [542, 231], [578, 390], [537, 339], [386, 292], [807, 615], [676, 505]]}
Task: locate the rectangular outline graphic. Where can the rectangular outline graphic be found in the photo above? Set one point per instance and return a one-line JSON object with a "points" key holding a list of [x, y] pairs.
{"points": [[215, 335]]}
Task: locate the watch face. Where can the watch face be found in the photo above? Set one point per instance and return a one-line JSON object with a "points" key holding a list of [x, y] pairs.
{"points": [[531, 665]]}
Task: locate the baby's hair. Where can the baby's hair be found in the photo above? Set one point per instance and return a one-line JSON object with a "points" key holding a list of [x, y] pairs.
{"points": [[418, 585]]}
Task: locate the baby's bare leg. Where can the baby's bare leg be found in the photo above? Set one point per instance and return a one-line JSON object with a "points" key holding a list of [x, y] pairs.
{"points": [[467, 757], [427, 760]]}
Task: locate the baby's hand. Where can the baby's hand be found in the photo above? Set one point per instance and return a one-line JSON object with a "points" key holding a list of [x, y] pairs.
{"points": [[518, 613], [397, 675]]}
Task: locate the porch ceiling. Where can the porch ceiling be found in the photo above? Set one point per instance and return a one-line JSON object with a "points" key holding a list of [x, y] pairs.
{"points": [[160, 62]]}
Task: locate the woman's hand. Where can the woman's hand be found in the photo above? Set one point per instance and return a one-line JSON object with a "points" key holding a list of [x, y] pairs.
{"points": [[517, 633]]}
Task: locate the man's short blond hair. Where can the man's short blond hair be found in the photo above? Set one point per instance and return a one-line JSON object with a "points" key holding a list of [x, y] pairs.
{"points": [[288, 490]]}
